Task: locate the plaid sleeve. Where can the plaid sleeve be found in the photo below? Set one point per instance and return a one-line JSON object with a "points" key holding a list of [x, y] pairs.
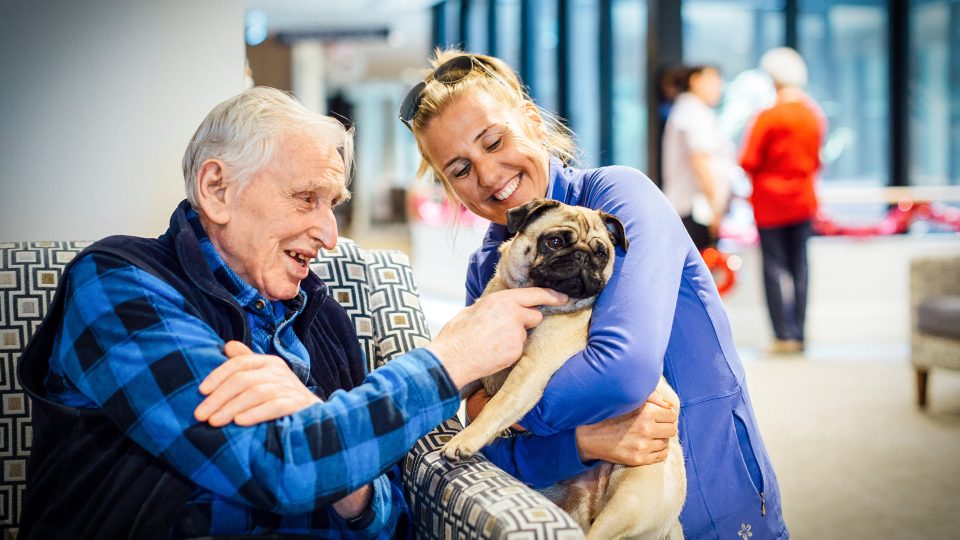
{"points": [[386, 507], [132, 346]]}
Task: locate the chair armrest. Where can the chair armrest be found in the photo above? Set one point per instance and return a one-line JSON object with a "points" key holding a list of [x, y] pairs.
{"points": [[474, 498], [470, 499], [930, 277]]}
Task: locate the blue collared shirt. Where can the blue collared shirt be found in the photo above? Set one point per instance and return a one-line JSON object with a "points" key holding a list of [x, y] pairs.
{"points": [[124, 330]]}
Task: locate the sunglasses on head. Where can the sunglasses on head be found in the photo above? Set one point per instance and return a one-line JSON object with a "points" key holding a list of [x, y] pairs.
{"points": [[450, 72]]}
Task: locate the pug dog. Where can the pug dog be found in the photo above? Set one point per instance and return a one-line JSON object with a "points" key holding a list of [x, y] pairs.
{"points": [[571, 249]]}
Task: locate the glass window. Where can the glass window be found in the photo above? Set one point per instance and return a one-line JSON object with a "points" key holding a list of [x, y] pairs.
{"points": [[452, 23], [629, 83], [845, 44], [584, 79], [446, 23], [477, 27], [508, 32], [934, 63], [733, 35], [545, 25]]}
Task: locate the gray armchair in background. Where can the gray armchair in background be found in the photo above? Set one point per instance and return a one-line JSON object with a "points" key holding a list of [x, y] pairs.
{"points": [[471, 499], [934, 317]]}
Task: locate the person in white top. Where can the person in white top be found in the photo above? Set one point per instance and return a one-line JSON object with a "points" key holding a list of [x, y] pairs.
{"points": [[698, 158]]}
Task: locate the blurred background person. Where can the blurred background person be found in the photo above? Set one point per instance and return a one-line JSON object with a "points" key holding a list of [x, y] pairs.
{"points": [[781, 154], [670, 84], [698, 159]]}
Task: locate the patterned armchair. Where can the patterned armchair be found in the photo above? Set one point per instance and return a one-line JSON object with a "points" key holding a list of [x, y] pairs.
{"points": [[472, 499]]}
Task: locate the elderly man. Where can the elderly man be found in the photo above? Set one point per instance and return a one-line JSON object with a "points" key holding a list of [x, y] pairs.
{"points": [[204, 384]]}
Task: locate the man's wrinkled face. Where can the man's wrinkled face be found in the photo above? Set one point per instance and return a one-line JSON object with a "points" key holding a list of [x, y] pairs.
{"points": [[279, 219]]}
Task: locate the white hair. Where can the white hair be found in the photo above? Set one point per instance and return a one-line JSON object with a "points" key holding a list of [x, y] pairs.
{"points": [[785, 66], [244, 130]]}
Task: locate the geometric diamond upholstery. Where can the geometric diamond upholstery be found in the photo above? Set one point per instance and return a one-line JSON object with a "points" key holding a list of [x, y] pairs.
{"points": [[395, 305], [472, 499], [29, 274], [344, 271]]}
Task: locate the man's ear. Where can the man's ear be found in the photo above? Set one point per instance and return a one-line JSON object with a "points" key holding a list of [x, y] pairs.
{"points": [[525, 214], [212, 191], [618, 235]]}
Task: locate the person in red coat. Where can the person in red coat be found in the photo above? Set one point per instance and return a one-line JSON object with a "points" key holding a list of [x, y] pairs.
{"points": [[781, 155]]}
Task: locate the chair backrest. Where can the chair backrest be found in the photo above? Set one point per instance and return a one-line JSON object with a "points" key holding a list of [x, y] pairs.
{"points": [[375, 287]]}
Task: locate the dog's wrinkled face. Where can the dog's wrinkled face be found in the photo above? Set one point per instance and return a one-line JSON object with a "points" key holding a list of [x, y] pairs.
{"points": [[566, 248]]}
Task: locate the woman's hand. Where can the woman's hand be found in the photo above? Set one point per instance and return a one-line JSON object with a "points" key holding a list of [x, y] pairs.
{"points": [[639, 437], [250, 388]]}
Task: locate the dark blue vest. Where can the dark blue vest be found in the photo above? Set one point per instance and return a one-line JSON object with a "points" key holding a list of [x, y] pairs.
{"points": [[85, 478]]}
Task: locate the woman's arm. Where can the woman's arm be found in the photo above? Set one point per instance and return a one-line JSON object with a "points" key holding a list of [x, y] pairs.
{"points": [[632, 318], [556, 455], [639, 437]]}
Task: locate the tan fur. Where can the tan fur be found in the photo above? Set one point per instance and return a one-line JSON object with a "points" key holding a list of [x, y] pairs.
{"points": [[608, 501]]}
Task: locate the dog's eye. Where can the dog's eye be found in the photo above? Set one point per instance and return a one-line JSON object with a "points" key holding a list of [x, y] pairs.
{"points": [[554, 242], [599, 248]]}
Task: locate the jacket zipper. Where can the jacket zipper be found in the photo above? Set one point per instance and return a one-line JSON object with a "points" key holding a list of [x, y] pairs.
{"points": [[763, 505]]}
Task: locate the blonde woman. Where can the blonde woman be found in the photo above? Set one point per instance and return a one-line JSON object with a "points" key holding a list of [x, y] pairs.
{"points": [[493, 149]]}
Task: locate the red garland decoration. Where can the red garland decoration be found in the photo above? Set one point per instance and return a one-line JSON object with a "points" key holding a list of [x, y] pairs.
{"points": [[719, 263], [897, 220]]}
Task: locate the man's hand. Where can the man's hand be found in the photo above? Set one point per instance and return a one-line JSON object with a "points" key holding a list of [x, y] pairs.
{"points": [[355, 503], [250, 388], [638, 437], [488, 336]]}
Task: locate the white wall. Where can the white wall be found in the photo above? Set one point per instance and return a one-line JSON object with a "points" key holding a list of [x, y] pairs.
{"points": [[98, 100]]}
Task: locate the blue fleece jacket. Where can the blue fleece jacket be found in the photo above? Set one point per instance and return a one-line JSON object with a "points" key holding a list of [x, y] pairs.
{"points": [[659, 313]]}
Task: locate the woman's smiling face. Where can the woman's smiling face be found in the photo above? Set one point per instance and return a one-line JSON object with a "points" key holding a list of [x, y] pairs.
{"points": [[489, 152]]}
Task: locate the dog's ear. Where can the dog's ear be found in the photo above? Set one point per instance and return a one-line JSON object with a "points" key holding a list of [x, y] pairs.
{"points": [[518, 218], [615, 228]]}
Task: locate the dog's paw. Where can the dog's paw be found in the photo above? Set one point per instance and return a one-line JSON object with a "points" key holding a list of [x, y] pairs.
{"points": [[460, 447]]}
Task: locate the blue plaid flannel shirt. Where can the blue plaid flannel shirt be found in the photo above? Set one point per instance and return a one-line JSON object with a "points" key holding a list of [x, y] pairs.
{"points": [[276, 476]]}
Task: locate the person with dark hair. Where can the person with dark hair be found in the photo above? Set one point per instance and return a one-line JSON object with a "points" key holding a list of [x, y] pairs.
{"points": [[671, 82], [698, 159], [781, 156]]}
